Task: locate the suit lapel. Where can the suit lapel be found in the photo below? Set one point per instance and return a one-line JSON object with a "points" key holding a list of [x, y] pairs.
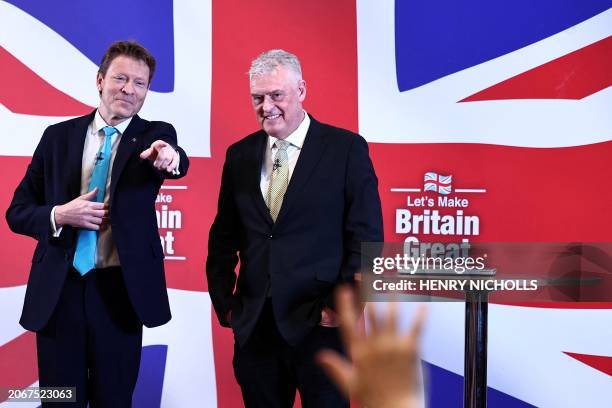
{"points": [[75, 145], [124, 151], [255, 163], [312, 151]]}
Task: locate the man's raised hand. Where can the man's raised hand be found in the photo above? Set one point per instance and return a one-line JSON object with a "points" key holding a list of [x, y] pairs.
{"points": [[162, 155]]}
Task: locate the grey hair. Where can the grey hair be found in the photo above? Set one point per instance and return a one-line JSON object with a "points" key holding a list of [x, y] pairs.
{"points": [[268, 61]]}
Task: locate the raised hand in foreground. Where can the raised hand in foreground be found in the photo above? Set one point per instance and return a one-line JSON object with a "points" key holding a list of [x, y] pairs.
{"points": [[383, 372]]}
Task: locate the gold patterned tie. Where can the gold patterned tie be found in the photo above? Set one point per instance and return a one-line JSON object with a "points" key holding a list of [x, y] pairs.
{"points": [[279, 179]]}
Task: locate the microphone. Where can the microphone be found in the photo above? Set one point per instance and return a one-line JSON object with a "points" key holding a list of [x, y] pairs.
{"points": [[276, 165], [99, 157]]}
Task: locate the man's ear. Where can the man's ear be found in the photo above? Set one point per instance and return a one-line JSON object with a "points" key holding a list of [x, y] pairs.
{"points": [[302, 90], [99, 80]]}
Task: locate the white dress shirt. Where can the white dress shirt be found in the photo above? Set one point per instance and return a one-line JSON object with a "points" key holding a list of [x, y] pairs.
{"points": [[296, 140], [106, 251]]}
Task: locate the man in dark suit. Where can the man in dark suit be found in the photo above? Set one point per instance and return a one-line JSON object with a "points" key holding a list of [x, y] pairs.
{"points": [[297, 200], [88, 198]]}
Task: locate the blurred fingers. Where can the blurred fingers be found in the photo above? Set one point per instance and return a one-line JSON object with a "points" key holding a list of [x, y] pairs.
{"points": [[338, 368]]}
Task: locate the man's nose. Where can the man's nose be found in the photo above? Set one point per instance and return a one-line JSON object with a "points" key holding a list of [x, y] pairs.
{"points": [[128, 88], [267, 104]]}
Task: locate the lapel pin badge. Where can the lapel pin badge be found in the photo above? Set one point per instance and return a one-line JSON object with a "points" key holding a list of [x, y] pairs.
{"points": [[133, 139]]}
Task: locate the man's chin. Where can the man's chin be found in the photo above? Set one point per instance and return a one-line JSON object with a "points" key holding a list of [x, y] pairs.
{"points": [[119, 117], [124, 113], [125, 108], [272, 130]]}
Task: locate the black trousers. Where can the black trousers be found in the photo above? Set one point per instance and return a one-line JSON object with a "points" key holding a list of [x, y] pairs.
{"points": [[269, 370], [92, 341]]}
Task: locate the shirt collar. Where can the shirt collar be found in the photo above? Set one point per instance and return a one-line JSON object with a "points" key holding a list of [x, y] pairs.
{"points": [[296, 138], [99, 123]]}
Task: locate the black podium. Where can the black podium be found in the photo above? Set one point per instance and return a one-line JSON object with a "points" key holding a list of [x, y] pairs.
{"points": [[475, 358], [476, 321]]}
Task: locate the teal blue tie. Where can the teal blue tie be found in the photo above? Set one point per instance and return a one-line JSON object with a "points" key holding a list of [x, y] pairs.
{"points": [[85, 254]]}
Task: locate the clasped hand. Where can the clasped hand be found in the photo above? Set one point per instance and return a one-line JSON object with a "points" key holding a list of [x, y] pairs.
{"points": [[82, 212]]}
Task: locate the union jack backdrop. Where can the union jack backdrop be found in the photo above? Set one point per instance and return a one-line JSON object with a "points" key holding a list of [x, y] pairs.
{"points": [[504, 104]]}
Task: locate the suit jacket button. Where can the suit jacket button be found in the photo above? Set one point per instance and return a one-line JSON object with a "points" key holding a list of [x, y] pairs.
{"points": [[271, 236]]}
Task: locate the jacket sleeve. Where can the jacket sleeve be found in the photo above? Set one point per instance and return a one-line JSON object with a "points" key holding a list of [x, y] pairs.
{"points": [[223, 245], [29, 213], [363, 213]]}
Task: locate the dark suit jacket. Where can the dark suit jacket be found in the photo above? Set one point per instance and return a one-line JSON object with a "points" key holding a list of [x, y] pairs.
{"points": [[330, 208], [54, 178]]}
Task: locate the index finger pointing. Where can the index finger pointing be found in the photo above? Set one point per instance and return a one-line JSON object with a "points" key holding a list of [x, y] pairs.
{"points": [[146, 153], [158, 145]]}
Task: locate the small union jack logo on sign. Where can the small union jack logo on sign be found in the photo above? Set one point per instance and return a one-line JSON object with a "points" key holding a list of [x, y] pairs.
{"points": [[437, 182]]}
